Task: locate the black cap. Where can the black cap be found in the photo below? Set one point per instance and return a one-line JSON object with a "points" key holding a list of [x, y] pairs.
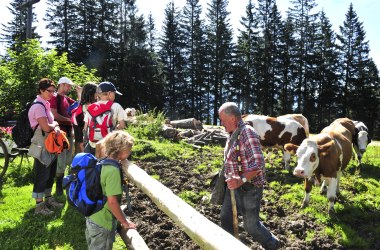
{"points": [[108, 86]]}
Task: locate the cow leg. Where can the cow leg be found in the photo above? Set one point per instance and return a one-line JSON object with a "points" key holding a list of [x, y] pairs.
{"points": [[331, 194], [286, 156], [269, 154], [308, 186], [323, 189], [359, 155], [339, 174], [360, 158]]}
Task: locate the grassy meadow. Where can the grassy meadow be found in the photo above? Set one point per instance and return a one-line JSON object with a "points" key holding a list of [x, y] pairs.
{"points": [[355, 226]]}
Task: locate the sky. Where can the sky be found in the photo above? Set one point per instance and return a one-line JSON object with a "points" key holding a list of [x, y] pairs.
{"points": [[366, 10]]}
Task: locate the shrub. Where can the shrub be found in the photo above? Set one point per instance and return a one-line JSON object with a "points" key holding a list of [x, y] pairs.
{"points": [[148, 126]]}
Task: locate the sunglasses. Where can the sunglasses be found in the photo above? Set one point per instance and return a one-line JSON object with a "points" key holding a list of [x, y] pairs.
{"points": [[50, 91]]}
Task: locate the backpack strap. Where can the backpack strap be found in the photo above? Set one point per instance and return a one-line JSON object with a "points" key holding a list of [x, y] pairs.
{"points": [[37, 102], [94, 108], [107, 161], [112, 162]]}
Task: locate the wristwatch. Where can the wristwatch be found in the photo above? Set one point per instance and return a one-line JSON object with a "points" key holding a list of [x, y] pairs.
{"points": [[243, 179]]}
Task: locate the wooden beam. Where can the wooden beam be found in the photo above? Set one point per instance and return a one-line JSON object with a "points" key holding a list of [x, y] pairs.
{"points": [[27, 4], [201, 230], [29, 17], [132, 238]]}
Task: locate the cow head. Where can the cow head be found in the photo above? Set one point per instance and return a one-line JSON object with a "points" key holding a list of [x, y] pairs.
{"points": [[363, 141], [308, 154]]}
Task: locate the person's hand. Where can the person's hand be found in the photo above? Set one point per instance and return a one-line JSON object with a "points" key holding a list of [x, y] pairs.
{"points": [[128, 225], [234, 182], [79, 91], [57, 131]]}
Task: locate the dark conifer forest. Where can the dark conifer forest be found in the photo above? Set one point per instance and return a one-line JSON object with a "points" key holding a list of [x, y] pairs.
{"points": [[275, 64]]}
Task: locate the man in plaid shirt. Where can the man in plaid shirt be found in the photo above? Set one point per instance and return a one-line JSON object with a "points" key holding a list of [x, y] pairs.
{"points": [[245, 175]]}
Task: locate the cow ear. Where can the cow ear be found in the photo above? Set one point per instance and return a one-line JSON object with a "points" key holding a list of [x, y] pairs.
{"points": [[325, 148], [291, 148]]}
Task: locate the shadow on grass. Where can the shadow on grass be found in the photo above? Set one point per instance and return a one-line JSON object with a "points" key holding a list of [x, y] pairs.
{"points": [[54, 231], [359, 225], [365, 171]]}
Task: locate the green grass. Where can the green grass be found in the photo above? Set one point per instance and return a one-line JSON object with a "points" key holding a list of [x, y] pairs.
{"points": [[21, 229], [147, 150]]}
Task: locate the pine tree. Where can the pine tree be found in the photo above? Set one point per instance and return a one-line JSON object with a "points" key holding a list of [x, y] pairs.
{"points": [[244, 66], [138, 68], [326, 74], [151, 30], [358, 70], [171, 47], [195, 56], [62, 18], [219, 34], [269, 59], [304, 27]]}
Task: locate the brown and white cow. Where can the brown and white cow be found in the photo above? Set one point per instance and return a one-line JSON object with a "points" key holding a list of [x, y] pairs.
{"points": [[275, 132], [361, 139], [324, 155], [300, 119]]}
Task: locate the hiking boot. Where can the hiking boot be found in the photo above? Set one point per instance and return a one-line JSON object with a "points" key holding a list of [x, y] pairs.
{"points": [[42, 209], [52, 203]]}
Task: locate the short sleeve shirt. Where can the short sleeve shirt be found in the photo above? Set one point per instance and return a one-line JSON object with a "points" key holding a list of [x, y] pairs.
{"points": [[63, 105], [37, 111], [61, 108], [111, 184]]}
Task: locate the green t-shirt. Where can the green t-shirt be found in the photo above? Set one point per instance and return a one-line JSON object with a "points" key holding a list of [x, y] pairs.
{"points": [[110, 180]]}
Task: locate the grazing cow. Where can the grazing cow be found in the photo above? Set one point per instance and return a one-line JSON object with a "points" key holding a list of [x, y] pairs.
{"points": [[361, 139], [324, 155], [300, 119], [275, 132]]}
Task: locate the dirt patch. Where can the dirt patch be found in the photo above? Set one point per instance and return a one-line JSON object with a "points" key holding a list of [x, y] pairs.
{"points": [[160, 232]]}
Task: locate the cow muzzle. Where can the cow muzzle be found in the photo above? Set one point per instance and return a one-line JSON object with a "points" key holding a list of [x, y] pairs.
{"points": [[362, 150], [299, 172]]}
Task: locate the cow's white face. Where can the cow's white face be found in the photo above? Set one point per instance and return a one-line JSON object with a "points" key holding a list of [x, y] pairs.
{"points": [[308, 159], [362, 141]]}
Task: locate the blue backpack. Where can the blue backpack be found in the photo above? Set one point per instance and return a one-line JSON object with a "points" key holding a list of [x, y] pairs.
{"points": [[83, 188]]}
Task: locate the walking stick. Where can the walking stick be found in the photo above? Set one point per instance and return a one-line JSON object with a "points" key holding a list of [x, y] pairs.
{"points": [[234, 212]]}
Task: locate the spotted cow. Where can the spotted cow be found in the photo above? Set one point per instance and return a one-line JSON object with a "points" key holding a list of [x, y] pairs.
{"points": [[275, 132], [300, 119], [361, 139], [324, 155]]}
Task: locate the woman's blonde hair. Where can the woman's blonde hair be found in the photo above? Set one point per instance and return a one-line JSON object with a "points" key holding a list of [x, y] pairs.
{"points": [[116, 142]]}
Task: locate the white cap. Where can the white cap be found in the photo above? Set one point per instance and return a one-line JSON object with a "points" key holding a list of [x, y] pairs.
{"points": [[65, 80]]}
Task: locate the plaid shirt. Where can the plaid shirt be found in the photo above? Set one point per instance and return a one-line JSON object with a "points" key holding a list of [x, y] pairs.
{"points": [[250, 154]]}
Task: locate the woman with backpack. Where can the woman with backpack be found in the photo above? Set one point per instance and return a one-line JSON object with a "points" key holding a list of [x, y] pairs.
{"points": [[41, 120]]}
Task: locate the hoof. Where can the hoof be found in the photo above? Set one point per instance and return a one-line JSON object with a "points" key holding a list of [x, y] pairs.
{"points": [[331, 211]]}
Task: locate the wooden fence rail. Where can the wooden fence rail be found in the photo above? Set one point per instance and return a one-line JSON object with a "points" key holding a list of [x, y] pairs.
{"points": [[201, 230]]}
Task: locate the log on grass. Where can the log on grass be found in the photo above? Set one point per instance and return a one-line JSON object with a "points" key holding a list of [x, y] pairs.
{"points": [[201, 230], [190, 123], [169, 132]]}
